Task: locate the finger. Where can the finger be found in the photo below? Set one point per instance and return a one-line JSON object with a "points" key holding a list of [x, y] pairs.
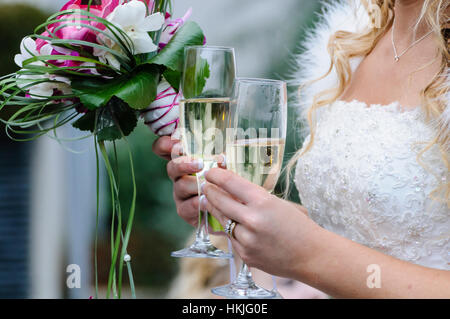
{"points": [[219, 202], [223, 220], [186, 187], [177, 150], [215, 233], [238, 233], [238, 248], [188, 210], [183, 166], [238, 187], [163, 146], [205, 205], [240, 240]]}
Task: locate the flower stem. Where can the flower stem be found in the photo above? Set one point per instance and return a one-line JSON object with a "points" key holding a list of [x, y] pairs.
{"points": [[116, 241], [96, 219]]}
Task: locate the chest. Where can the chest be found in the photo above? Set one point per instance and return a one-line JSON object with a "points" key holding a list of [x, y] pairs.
{"points": [[366, 158], [379, 79], [361, 180]]}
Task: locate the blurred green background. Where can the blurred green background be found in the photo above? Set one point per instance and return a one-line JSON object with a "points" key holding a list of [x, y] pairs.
{"points": [[265, 34]]}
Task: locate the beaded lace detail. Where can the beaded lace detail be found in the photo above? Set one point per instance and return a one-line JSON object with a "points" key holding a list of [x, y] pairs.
{"points": [[362, 181]]}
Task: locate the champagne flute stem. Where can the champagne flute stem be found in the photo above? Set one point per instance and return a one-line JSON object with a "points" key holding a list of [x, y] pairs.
{"points": [[274, 280], [202, 227], [202, 246], [245, 276]]}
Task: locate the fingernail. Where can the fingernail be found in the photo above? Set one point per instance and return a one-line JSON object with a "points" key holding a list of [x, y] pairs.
{"points": [[202, 186], [195, 164], [203, 201], [177, 150], [199, 164], [180, 150], [224, 161]]}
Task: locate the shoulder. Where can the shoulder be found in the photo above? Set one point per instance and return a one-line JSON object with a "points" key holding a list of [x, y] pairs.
{"points": [[314, 59], [343, 15]]}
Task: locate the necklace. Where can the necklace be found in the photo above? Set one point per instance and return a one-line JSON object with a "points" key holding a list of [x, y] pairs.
{"points": [[396, 55]]}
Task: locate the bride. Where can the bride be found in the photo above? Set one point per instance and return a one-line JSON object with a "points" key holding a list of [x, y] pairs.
{"points": [[373, 171]]}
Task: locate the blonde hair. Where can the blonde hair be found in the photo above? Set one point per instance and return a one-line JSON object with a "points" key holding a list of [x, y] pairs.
{"points": [[343, 46]]}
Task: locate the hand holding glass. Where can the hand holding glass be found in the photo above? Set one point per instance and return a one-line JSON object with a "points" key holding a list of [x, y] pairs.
{"points": [[206, 88], [255, 149]]}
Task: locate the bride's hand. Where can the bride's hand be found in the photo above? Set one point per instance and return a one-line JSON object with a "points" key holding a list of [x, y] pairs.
{"points": [[185, 191], [163, 147], [179, 169], [269, 230]]}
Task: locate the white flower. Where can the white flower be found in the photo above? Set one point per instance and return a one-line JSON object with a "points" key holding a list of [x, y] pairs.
{"points": [[131, 18], [107, 57], [27, 51], [25, 81], [44, 89], [47, 49]]}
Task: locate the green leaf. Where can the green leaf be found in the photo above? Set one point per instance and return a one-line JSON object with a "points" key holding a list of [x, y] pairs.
{"points": [[86, 122], [173, 53], [195, 79], [115, 119], [140, 91], [94, 93], [137, 89], [173, 77]]}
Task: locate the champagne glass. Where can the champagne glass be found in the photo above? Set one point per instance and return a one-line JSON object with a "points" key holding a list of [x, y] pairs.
{"points": [[255, 150], [206, 87]]}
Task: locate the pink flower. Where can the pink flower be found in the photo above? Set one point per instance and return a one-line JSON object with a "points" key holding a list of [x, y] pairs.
{"points": [[75, 32], [171, 27], [45, 48], [78, 32], [102, 10]]}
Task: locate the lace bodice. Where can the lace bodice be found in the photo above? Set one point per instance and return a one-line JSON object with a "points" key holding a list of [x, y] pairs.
{"points": [[362, 181]]}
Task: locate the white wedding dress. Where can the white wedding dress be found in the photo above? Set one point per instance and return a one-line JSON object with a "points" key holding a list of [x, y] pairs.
{"points": [[361, 178]]}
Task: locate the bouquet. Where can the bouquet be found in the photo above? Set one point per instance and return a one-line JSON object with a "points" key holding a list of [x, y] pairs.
{"points": [[100, 65]]}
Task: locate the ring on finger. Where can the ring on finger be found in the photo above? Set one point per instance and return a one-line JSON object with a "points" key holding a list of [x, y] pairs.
{"points": [[232, 227], [229, 228]]}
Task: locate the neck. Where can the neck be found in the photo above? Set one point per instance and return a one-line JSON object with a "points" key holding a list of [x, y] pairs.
{"points": [[407, 13]]}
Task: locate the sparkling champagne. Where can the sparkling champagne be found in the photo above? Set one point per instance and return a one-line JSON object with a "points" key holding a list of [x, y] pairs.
{"points": [[257, 160], [204, 122]]}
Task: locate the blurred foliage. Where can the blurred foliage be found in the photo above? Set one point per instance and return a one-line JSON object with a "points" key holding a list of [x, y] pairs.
{"points": [[16, 21]]}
